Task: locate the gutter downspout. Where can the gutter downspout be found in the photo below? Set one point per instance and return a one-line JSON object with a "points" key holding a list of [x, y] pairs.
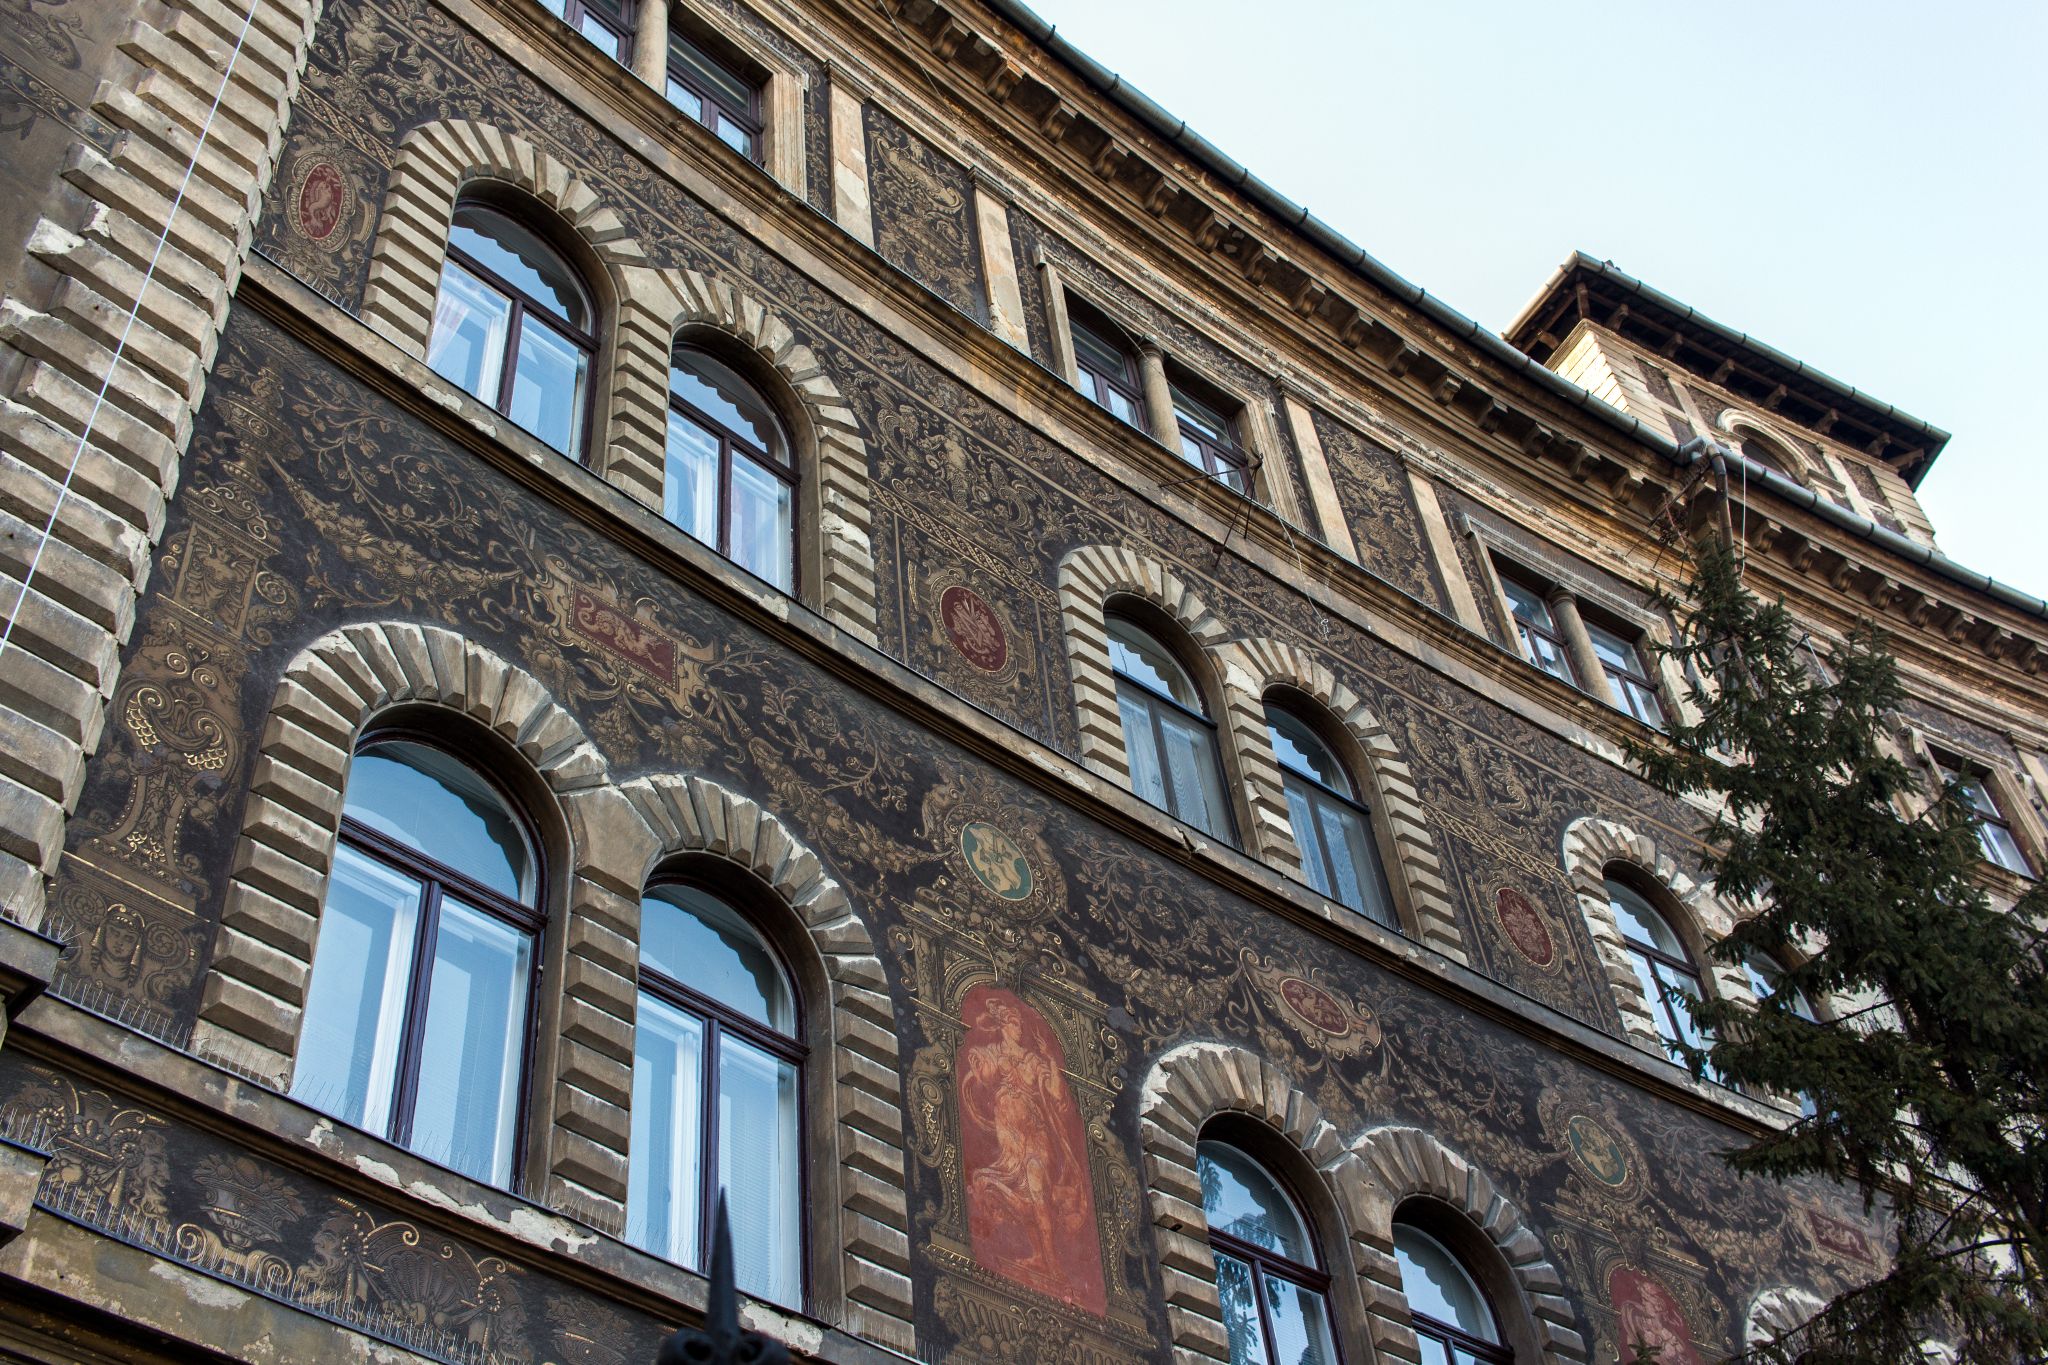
{"points": [[1237, 177]]}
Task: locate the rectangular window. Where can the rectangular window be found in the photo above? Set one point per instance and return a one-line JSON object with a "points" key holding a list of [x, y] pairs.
{"points": [[1207, 439], [714, 93], [1994, 830], [1627, 680], [1542, 643], [607, 23], [1107, 374]]}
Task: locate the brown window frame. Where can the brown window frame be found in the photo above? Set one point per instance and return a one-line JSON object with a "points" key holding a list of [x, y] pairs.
{"points": [[1524, 627], [1448, 1334], [750, 120], [1093, 381], [522, 303], [728, 441], [1974, 776], [1225, 460], [437, 879], [1625, 686], [615, 19], [718, 1020]]}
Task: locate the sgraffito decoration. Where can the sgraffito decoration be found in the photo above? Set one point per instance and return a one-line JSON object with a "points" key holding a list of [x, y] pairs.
{"points": [[974, 628], [1522, 923], [152, 1182], [1033, 1226], [1030, 1201], [924, 212], [1646, 1315]]}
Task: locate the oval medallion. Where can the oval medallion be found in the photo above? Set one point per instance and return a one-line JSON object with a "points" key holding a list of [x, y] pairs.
{"points": [[974, 628], [1315, 1006], [320, 201], [1523, 924], [1596, 1151], [996, 861]]}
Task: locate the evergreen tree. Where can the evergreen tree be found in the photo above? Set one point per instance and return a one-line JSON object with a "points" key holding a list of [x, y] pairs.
{"points": [[1923, 1086]]}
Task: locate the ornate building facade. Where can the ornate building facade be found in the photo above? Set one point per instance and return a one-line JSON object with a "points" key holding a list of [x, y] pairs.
{"points": [[814, 600]]}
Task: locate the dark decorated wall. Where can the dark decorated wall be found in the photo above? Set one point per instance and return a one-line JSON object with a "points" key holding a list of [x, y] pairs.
{"points": [[313, 499]]}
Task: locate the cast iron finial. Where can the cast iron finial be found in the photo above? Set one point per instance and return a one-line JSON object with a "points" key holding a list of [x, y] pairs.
{"points": [[720, 1341]]}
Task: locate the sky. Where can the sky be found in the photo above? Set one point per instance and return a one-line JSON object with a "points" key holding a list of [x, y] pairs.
{"points": [[1862, 186]]}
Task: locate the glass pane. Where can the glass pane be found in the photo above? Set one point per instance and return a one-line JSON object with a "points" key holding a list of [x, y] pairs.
{"points": [[1687, 988], [1194, 782], [757, 1169], [547, 386], [1148, 775], [1096, 353], [606, 40], [1242, 1200], [1307, 836], [1301, 1324], [1124, 407], [2001, 848], [1207, 423], [734, 135], [1528, 604], [1653, 994], [1614, 650], [521, 259], [1240, 1311], [472, 1059], [708, 73], [666, 1162], [729, 401], [471, 321], [1298, 750], [1351, 862], [441, 806], [355, 1004], [1143, 659], [1437, 1285], [689, 482], [1546, 654], [1641, 923], [1191, 451], [685, 99], [695, 939], [761, 517]]}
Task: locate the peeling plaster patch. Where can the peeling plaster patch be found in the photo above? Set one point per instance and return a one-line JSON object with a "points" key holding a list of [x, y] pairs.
{"points": [[804, 1337], [202, 1291], [534, 1226]]}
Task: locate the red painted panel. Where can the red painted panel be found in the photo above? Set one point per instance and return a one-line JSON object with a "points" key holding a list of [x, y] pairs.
{"points": [[1030, 1201]]}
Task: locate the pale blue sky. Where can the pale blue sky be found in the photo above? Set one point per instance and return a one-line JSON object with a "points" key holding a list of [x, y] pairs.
{"points": [[1861, 185]]}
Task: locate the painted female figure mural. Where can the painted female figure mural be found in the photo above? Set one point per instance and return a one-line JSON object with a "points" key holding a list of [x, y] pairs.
{"points": [[1030, 1200]]}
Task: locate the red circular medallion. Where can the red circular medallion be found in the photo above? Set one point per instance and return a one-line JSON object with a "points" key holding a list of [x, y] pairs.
{"points": [[974, 628], [322, 195], [1523, 924], [1315, 1005]]}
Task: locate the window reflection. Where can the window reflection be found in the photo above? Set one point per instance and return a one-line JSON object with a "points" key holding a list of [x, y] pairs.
{"points": [[416, 1015], [1269, 1279], [1169, 741], [730, 479]]}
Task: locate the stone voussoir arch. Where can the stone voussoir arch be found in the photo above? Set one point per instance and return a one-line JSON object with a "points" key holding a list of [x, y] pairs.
{"points": [[863, 1175], [1088, 578], [1589, 848], [435, 162], [1186, 1088], [655, 305], [1401, 1163], [255, 988], [1250, 668]]}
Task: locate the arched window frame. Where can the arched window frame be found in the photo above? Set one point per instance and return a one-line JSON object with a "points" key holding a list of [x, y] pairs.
{"points": [[437, 880], [1656, 966], [1449, 1336], [523, 306], [1591, 850], [1246, 1137], [1354, 803], [786, 470], [1143, 619], [745, 902]]}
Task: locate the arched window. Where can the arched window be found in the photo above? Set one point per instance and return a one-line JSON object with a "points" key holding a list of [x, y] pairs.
{"points": [[1331, 825], [1168, 736], [717, 1070], [1274, 1291], [514, 325], [417, 1013], [730, 478], [1454, 1324], [1105, 365], [1661, 963]]}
